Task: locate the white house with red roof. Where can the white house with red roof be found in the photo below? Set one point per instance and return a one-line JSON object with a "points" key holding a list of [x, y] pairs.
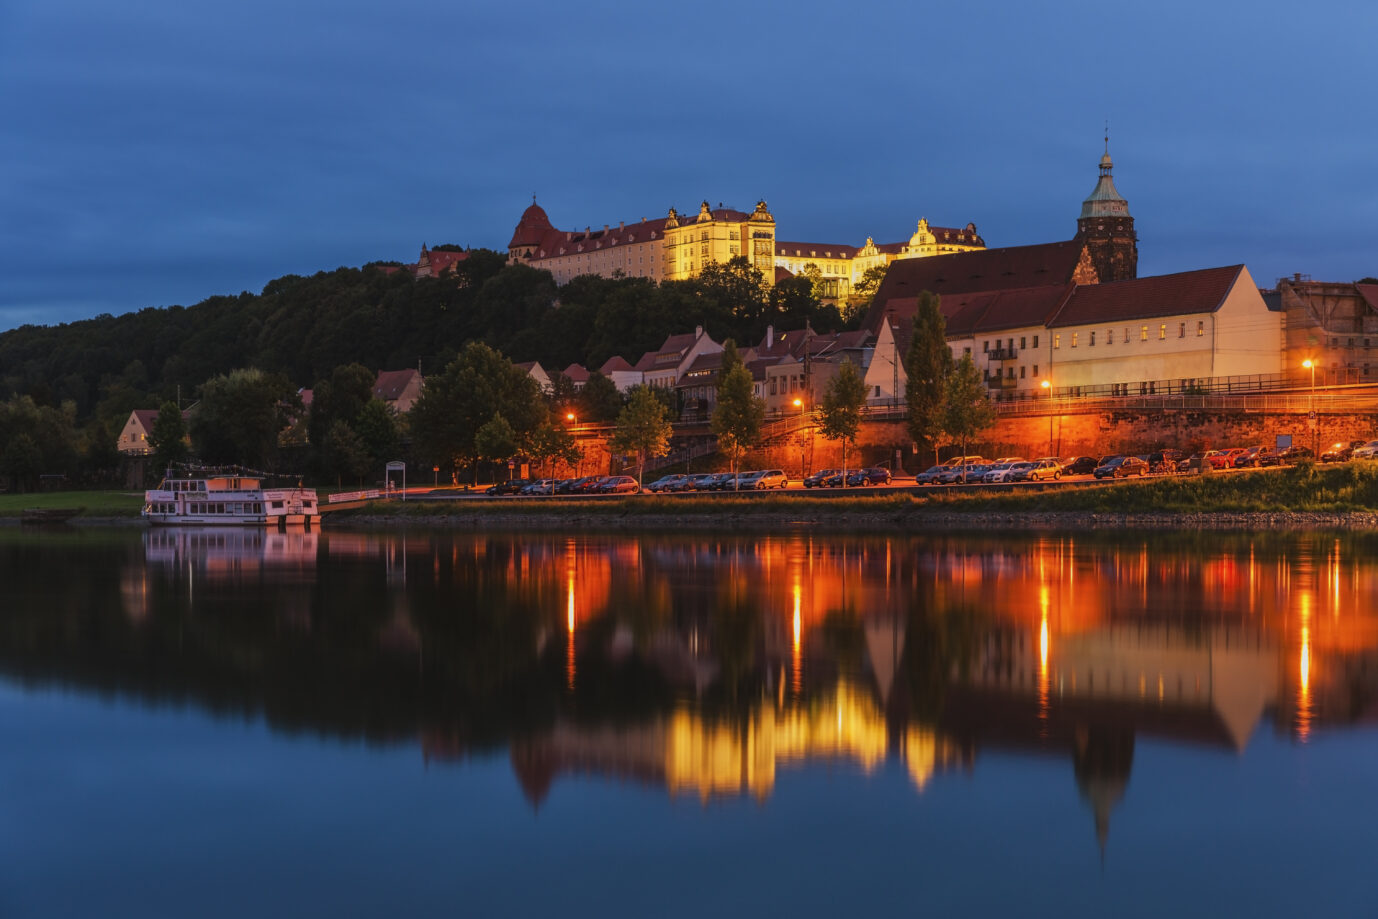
{"points": [[666, 366], [399, 389], [623, 375], [534, 370]]}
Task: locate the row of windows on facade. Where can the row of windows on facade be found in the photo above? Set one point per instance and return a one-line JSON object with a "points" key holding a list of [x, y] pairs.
{"points": [[1109, 337], [1349, 343], [796, 383], [207, 507], [995, 374]]}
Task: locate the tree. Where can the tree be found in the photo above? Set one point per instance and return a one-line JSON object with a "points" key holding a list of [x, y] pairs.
{"points": [[642, 430], [599, 400], [168, 439], [739, 412], [241, 415], [968, 410], [927, 364], [496, 441], [864, 292], [377, 429], [344, 453], [552, 441], [840, 415], [475, 386]]}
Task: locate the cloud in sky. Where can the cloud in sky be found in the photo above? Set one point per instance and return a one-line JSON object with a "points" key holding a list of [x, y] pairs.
{"points": [[161, 152]]}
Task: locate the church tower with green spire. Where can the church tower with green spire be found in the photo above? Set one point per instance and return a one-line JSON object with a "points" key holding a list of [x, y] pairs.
{"points": [[1107, 229]]}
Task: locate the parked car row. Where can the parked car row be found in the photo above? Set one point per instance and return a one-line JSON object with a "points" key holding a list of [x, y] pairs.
{"points": [[585, 485], [753, 480], [854, 478]]}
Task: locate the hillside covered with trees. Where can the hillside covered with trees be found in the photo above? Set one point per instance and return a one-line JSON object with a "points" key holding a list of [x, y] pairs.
{"points": [[66, 390]]}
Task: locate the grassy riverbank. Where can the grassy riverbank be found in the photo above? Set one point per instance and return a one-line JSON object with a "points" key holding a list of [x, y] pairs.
{"points": [[1351, 488], [91, 503]]}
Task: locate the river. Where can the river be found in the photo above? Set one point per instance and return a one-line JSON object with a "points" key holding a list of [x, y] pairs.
{"points": [[231, 723]]}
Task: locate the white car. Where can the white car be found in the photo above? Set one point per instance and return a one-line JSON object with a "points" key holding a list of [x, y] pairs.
{"points": [[1000, 472], [1367, 451]]}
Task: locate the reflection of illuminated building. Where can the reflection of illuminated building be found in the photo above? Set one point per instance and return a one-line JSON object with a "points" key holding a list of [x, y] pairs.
{"points": [[688, 754]]}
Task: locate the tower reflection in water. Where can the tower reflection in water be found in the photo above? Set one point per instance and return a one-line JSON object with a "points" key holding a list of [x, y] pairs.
{"points": [[710, 667]]}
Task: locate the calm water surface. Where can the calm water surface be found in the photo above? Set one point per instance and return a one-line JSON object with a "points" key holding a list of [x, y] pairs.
{"points": [[339, 724]]}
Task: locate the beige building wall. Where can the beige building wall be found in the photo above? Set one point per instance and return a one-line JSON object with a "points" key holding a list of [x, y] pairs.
{"points": [[691, 244]]}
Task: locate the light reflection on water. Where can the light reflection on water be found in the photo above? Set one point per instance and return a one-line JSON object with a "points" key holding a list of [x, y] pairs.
{"points": [[710, 668]]}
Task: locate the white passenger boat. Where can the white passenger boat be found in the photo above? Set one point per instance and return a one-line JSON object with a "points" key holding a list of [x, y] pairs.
{"points": [[206, 497]]}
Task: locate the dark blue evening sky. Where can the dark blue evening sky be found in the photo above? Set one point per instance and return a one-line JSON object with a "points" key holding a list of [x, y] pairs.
{"points": [[158, 152]]}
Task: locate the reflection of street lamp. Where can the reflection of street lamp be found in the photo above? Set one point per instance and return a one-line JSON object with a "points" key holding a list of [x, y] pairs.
{"points": [[1048, 388], [1311, 407]]}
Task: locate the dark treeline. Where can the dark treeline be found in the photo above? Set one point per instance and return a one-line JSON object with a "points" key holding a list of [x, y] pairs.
{"points": [[302, 329]]}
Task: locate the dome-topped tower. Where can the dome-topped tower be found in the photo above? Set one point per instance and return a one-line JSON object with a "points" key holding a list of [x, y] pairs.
{"points": [[531, 229], [1107, 229]]}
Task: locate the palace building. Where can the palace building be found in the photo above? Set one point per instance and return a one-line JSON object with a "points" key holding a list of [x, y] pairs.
{"points": [[678, 246]]}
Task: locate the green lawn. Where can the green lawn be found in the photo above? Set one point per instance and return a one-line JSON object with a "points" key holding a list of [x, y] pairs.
{"points": [[92, 503]]}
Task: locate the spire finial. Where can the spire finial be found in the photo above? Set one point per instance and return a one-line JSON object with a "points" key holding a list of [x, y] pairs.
{"points": [[533, 194], [1107, 138]]}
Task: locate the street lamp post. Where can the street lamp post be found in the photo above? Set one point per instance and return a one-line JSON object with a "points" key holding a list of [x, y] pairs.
{"points": [[799, 404], [1311, 408], [1048, 388], [573, 423]]}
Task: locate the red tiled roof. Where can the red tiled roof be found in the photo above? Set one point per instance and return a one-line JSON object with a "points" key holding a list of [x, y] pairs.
{"points": [[978, 270], [782, 273], [1370, 294], [146, 417], [443, 260], [577, 373], [392, 383], [989, 311], [531, 229], [814, 250], [554, 243], [614, 364], [1149, 298]]}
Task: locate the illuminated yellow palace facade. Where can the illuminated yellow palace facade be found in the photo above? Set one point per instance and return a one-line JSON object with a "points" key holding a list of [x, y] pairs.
{"points": [[679, 246]]}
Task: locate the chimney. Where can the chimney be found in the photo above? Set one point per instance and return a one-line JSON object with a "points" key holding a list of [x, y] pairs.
{"points": [[698, 332], [605, 228], [621, 226], [770, 336], [1296, 278]]}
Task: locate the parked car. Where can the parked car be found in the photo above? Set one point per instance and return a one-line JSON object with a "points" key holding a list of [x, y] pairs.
{"points": [[1080, 465], [591, 485], [1184, 465], [700, 481], [1019, 472], [1254, 456], [540, 487], [510, 487], [619, 485], [930, 475], [1295, 454], [1164, 460], [999, 472], [1119, 467], [962, 461], [673, 482], [837, 479], [1036, 471], [1366, 451], [818, 478], [872, 476], [765, 478], [962, 474], [1341, 452]]}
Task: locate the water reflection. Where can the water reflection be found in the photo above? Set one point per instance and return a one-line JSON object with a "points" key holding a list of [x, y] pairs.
{"points": [[708, 667]]}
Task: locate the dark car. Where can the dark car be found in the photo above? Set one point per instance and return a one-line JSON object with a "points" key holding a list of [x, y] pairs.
{"points": [[673, 482], [510, 487], [1254, 456], [700, 481], [590, 485], [1119, 467], [619, 484], [873, 476], [1296, 454], [1080, 465], [816, 480], [1164, 460], [1341, 453]]}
